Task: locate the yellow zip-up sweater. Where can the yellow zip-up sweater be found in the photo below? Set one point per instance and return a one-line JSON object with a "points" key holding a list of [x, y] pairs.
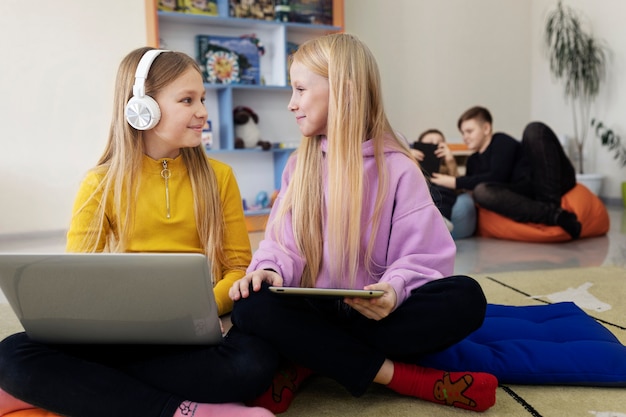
{"points": [[153, 231]]}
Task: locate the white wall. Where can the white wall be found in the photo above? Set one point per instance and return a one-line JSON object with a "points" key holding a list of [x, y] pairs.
{"points": [[59, 60], [437, 58], [606, 20]]}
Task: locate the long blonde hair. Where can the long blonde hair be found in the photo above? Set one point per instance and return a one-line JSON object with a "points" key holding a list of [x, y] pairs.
{"points": [[355, 114], [120, 166]]}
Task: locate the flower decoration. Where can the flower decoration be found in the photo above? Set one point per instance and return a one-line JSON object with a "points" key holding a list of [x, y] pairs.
{"points": [[222, 67]]}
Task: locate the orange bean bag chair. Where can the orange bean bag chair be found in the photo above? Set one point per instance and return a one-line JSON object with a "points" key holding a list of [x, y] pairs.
{"points": [[589, 209], [32, 412]]}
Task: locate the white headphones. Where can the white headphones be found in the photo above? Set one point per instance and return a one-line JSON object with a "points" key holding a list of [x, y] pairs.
{"points": [[142, 111]]}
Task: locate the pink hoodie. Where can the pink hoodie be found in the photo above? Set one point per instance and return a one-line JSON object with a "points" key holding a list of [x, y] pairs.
{"points": [[413, 245]]}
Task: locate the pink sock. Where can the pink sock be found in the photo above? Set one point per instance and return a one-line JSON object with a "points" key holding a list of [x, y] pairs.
{"points": [[474, 391], [9, 403], [191, 409]]}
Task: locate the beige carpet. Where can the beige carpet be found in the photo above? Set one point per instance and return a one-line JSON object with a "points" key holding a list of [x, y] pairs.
{"points": [[598, 290]]}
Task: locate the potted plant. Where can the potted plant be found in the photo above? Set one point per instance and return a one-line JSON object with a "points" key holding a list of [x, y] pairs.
{"points": [[578, 60], [613, 141]]}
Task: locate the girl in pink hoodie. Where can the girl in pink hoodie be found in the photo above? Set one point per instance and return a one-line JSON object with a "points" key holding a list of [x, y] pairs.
{"points": [[354, 211]]}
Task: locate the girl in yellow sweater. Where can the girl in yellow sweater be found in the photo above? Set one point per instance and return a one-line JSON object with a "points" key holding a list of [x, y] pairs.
{"points": [[153, 190]]}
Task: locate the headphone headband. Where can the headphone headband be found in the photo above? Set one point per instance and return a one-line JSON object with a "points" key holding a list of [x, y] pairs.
{"points": [[142, 70]]}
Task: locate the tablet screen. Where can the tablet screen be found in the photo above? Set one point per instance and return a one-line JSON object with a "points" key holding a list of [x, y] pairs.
{"points": [[430, 163]]}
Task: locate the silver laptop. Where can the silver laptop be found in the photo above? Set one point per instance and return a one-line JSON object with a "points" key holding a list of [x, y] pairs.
{"points": [[145, 298]]}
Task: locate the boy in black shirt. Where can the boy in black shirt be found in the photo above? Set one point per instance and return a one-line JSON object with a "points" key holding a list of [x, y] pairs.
{"points": [[520, 180]]}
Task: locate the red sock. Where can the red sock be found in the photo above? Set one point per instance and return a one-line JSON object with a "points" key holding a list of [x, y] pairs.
{"points": [[279, 395], [474, 391]]}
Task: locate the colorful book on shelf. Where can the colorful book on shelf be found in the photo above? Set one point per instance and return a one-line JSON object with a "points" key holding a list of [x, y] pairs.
{"points": [[168, 5], [228, 59], [204, 7], [257, 9], [319, 12]]}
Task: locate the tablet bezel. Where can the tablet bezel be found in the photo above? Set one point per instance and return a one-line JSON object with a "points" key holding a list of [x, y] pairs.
{"points": [[327, 292]]}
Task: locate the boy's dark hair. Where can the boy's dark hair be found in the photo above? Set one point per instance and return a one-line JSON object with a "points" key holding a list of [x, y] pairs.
{"points": [[478, 113], [429, 131]]}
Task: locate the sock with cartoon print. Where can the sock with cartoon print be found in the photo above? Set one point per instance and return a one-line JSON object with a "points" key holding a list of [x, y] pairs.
{"points": [[286, 382], [193, 409], [474, 391]]}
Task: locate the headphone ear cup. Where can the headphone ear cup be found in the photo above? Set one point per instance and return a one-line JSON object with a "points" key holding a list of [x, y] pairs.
{"points": [[142, 113]]}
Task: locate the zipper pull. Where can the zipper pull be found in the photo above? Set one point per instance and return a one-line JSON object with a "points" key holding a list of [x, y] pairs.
{"points": [[165, 173]]}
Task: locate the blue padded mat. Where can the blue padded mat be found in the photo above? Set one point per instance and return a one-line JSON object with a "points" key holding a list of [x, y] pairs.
{"points": [[555, 344]]}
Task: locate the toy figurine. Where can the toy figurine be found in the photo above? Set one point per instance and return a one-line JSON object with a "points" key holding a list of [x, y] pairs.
{"points": [[247, 132]]}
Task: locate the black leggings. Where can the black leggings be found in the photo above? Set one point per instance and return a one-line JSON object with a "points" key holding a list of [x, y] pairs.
{"points": [[332, 339], [134, 380], [444, 198], [537, 198]]}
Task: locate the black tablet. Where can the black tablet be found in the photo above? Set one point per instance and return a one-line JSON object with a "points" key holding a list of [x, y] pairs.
{"points": [[430, 163]]}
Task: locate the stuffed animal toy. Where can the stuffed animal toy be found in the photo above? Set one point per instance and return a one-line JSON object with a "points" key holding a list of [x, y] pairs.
{"points": [[247, 133]]}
